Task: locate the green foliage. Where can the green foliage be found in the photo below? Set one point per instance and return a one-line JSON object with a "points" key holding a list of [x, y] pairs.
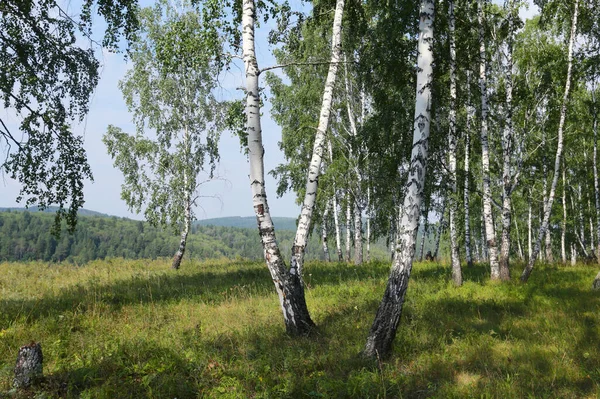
{"points": [[135, 329], [25, 236], [47, 79], [169, 92]]}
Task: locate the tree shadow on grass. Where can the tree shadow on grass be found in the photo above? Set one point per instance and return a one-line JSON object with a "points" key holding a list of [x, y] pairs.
{"points": [[203, 286]]}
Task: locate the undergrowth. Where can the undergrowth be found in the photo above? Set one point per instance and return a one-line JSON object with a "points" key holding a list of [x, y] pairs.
{"points": [[136, 329]]}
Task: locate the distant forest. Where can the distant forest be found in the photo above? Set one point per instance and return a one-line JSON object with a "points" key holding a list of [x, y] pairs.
{"points": [[26, 236]]}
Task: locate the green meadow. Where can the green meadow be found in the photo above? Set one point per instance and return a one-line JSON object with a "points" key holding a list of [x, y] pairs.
{"points": [[136, 329]]}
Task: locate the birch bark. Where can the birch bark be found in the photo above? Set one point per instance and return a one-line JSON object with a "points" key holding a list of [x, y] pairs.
{"points": [[596, 188], [358, 251], [187, 217], [324, 235], [455, 260], [440, 229], [317, 155], [507, 148], [287, 281], [561, 124], [336, 218], [490, 233], [383, 330], [470, 114], [563, 234], [348, 224], [368, 224]]}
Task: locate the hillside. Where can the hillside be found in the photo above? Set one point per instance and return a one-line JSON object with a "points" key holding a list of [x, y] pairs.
{"points": [[25, 236], [53, 209], [248, 222]]}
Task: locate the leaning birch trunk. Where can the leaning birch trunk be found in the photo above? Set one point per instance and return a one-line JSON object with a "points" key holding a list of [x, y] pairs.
{"points": [[348, 225], [184, 234], [490, 233], [315, 163], [187, 218], [383, 330], [287, 281], [454, 257], [358, 252], [596, 188], [563, 234], [561, 124], [470, 113], [507, 142], [324, 235]]}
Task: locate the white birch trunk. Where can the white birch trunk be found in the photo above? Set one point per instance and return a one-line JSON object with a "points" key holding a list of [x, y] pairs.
{"points": [[454, 257], [424, 236], [581, 219], [519, 246], [529, 231], [507, 148], [563, 234], [287, 281], [336, 218], [383, 330], [348, 225], [315, 164], [358, 252], [324, 235], [596, 284], [490, 233], [187, 212], [596, 188], [548, 246], [573, 255], [561, 124], [368, 224], [440, 229], [470, 116]]}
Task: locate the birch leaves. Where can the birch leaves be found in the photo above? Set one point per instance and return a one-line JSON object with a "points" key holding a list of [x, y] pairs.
{"points": [[177, 118]]}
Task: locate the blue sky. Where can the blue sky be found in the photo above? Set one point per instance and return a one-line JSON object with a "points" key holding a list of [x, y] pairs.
{"points": [[107, 107]]}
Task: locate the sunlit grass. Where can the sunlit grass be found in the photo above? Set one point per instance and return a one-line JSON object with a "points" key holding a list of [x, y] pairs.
{"points": [[117, 329]]}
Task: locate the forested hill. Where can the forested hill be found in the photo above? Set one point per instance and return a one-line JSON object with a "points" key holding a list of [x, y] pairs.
{"points": [[53, 209], [248, 222], [26, 236]]}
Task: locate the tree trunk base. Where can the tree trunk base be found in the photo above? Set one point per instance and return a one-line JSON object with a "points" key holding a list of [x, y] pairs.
{"points": [[29, 367], [596, 284]]}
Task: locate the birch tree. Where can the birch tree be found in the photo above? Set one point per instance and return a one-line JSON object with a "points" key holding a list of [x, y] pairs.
{"points": [[507, 151], [168, 90], [548, 206], [490, 233], [455, 260], [383, 330], [288, 283], [310, 195]]}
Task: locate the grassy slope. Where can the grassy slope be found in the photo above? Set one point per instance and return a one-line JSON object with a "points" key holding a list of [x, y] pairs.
{"points": [[214, 329]]}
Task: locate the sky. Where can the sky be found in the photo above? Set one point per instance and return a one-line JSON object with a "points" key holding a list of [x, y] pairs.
{"points": [[229, 196]]}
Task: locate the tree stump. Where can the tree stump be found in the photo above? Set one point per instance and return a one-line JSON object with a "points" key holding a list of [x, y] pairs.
{"points": [[29, 367], [596, 284]]}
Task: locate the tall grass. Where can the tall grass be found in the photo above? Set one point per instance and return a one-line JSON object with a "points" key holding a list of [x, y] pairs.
{"points": [[120, 329]]}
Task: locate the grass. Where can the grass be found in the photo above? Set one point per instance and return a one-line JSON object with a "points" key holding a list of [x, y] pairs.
{"points": [[120, 329]]}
